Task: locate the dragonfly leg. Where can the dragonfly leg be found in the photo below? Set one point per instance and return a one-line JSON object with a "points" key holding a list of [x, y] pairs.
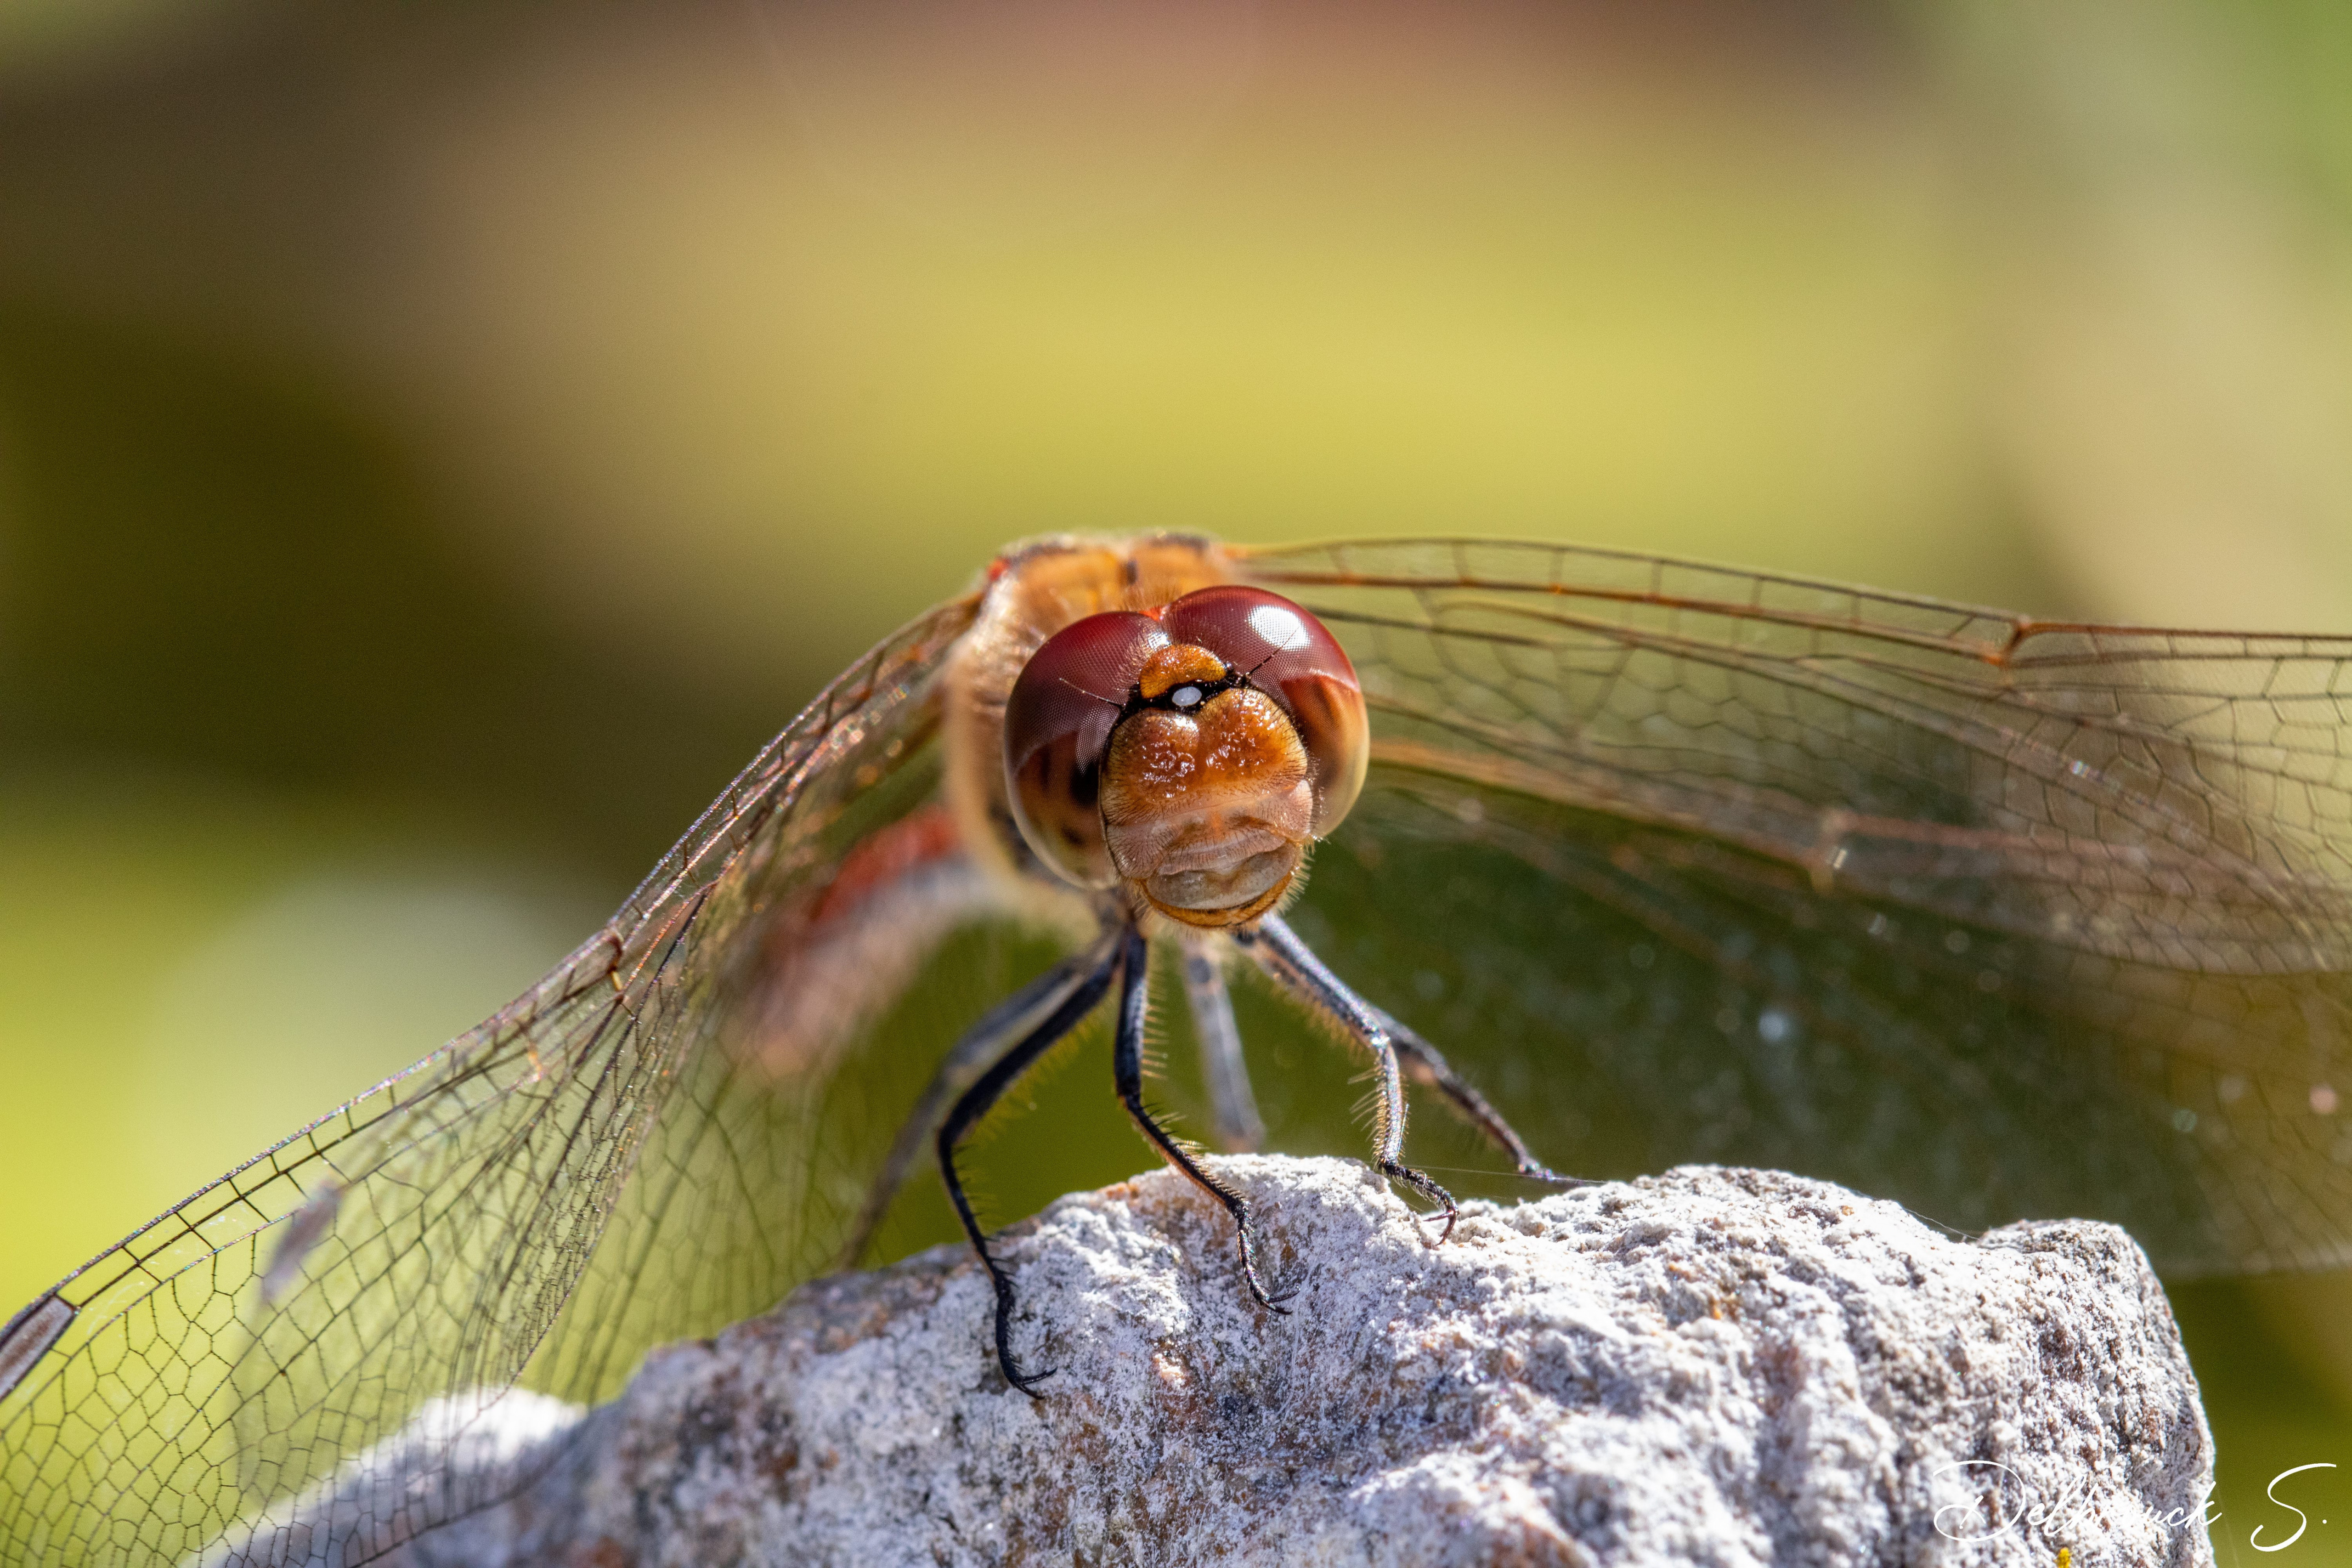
{"points": [[999, 1028], [1431, 1070], [973, 1104], [1240, 1130], [1127, 1059], [1294, 966]]}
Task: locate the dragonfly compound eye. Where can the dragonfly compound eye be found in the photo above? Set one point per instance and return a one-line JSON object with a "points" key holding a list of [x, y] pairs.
{"points": [[1280, 649], [1058, 723], [1190, 756]]}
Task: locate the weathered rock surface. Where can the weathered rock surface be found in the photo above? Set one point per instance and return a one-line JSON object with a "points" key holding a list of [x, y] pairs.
{"points": [[1716, 1366]]}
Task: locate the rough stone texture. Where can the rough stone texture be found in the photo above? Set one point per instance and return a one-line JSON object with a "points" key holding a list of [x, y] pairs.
{"points": [[1717, 1366]]}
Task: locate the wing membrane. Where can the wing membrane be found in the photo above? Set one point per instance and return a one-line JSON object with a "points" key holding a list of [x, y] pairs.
{"points": [[1996, 916], [425, 1242], [2181, 796]]}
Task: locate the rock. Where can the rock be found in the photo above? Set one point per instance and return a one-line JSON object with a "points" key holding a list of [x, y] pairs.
{"points": [[1713, 1366]]}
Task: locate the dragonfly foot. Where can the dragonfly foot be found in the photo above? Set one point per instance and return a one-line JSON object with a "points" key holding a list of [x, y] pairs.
{"points": [[1270, 1299], [1428, 1189], [1026, 1382]]}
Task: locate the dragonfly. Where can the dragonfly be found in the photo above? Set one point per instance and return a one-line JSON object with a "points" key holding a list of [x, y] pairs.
{"points": [[1994, 916]]}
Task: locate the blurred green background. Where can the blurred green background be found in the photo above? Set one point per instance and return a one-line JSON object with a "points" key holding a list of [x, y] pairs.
{"points": [[440, 441]]}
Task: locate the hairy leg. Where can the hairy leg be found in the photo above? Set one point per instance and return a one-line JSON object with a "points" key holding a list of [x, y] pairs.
{"points": [[998, 1030], [1294, 967], [974, 1103], [1134, 1006], [1425, 1067]]}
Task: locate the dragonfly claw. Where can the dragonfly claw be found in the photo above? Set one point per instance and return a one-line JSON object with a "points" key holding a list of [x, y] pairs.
{"points": [[1412, 1178], [1026, 1382]]}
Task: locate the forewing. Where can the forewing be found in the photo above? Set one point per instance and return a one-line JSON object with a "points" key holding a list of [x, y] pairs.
{"points": [[1995, 917], [425, 1244]]}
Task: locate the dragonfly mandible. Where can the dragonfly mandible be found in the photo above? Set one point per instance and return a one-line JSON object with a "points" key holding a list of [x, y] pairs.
{"points": [[1994, 916]]}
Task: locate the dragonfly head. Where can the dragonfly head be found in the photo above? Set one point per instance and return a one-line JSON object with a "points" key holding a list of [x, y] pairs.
{"points": [[1190, 754]]}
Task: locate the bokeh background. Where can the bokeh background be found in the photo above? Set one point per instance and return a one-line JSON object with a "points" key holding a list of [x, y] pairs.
{"points": [[440, 441]]}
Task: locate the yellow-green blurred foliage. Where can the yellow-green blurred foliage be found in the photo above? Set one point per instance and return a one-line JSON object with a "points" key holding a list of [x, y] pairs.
{"points": [[439, 441]]}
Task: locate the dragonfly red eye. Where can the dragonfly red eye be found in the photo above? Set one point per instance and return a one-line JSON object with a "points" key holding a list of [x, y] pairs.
{"points": [[1286, 653], [1057, 725], [1191, 755]]}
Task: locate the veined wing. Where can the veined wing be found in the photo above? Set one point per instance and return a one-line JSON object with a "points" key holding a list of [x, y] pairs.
{"points": [[1996, 916], [428, 1242], [1735, 858]]}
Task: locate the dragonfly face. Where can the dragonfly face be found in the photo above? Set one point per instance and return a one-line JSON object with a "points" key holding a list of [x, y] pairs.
{"points": [[1236, 737], [1995, 917]]}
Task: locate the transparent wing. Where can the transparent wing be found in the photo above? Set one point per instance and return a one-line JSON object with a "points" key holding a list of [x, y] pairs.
{"points": [[1997, 917], [1994, 917], [516, 1208]]}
